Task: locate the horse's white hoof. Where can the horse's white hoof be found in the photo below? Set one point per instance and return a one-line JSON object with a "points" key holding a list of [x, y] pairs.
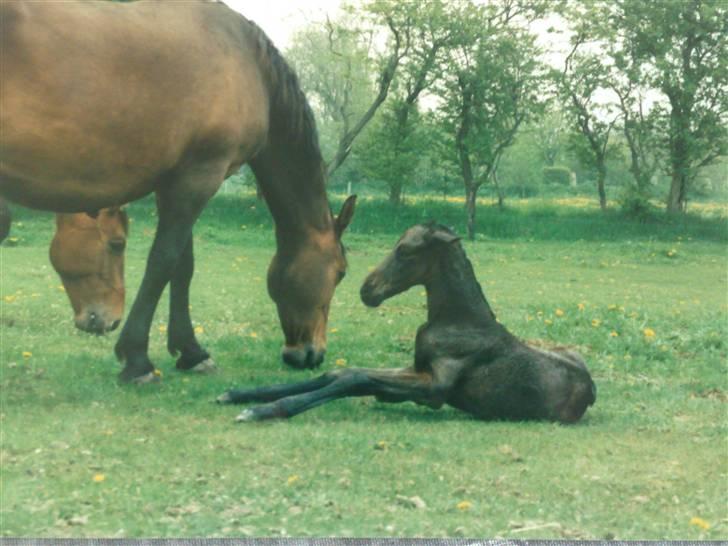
{"points": [[206, 366], [150, 377], [245, 416]]}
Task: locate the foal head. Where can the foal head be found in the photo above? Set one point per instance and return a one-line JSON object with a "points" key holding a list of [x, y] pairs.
{"points": [[88, 255], [301, 281], [411, 262]]}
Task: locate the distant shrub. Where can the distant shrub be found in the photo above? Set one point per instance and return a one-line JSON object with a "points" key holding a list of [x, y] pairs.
{"points": [[557, 176]]}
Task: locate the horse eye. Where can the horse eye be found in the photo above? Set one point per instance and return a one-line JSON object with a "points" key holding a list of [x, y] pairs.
{"points": [[117, 246]]}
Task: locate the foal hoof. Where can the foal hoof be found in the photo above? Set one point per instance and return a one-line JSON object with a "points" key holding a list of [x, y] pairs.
{"points": [[206, 366], [224, 398], [246, 416]]}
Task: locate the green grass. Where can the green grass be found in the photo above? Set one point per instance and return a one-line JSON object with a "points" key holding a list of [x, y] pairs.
{"points": [[648, 457]]}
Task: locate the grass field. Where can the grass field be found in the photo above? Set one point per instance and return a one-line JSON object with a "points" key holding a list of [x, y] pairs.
{"points": [[643, 301]]}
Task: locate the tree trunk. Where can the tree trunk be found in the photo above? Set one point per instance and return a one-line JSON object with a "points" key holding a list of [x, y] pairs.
{"points": [[395, 193], [676, 198], [601, 177], [471, 194]]}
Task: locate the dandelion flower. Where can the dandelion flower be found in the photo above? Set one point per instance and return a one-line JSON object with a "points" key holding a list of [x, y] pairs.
{"points": [[199, 329], [163, 328], [157, 373], [9, 298], [559, 312], [293, 479], [548, 322], [596, 322], [580, 306], [649, 333], [27, 354], [98, 478], [613, 334], [253, 335], [464, 505], [333, 330], [700, 522], [340, 362]]}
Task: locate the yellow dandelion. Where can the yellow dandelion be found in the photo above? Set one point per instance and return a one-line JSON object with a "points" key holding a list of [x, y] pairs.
{"points": [[61, 288], [98, 478], [613, 334], [333, 330], [548, 322], [464, 505], [157, 373], [612, 306], [293, 479], [700, 522], [596, 322], [649, 333], [580, 306], [9, 298], [27, 354], [381, 445], [529, 318], [163, 328], [199, 329], [253, 335], [559, 312], [340, 362]]}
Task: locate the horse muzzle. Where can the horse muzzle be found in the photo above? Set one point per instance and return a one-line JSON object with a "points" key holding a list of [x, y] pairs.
{"points": [[306, 357]]}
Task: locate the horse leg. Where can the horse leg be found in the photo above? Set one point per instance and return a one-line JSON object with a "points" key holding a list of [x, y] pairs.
{"points": [[274, 392], [179, 203], [387, 385], [180, 334]]}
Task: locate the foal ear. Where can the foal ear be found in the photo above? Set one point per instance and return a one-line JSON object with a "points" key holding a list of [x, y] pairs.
{"points": [[444, 237], [343, 220]]}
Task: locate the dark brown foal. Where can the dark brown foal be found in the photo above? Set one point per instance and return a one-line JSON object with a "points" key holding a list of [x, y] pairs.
{"points": [[463, 356]]}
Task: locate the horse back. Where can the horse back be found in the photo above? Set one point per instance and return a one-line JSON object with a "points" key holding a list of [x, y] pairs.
{"points": [[101, 99]]}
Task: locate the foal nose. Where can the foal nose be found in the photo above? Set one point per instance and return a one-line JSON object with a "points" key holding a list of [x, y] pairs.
{"points": [[306, 357], [91, 323]]}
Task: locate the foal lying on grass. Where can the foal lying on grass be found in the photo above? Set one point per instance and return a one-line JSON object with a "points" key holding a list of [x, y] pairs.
{"points": [[463, 356]]}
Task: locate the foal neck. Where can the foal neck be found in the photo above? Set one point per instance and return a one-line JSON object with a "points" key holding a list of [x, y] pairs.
{"points": [[453, 292]]}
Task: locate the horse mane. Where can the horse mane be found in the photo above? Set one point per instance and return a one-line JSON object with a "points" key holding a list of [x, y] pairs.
{"points": [[291, 117]]}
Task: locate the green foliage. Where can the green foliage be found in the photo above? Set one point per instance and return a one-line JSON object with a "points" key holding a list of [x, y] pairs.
{"points": [[557, 175]]}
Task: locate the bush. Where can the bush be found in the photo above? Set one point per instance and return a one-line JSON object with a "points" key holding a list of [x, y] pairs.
{"points": [[557, 175]]}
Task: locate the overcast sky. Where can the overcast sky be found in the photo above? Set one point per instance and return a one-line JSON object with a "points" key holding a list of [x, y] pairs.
{"points": [[281, 18]]}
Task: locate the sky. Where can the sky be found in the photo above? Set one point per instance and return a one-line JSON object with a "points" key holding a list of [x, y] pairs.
{"points": [[281, 18]]}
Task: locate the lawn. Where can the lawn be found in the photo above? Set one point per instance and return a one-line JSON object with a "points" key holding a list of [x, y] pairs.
{"points": [[644, 301]]}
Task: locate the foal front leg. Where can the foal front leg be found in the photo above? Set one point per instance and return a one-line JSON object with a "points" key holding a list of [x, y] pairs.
{"points": [[387, 385]]}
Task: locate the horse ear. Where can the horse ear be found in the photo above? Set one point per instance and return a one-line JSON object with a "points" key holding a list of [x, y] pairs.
{"points": [[344, 218]]}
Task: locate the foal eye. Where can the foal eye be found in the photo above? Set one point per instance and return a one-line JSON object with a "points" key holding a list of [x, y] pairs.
{"points": [[117, 246]]}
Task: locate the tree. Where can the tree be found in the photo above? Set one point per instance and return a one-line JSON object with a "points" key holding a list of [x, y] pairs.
{"points": [[579, 85], [490, 93], [679, 47]]}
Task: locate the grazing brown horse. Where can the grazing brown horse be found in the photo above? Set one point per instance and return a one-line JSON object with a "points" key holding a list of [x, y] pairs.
{"points": [[101, 104], [463, 356], [88, 255]]}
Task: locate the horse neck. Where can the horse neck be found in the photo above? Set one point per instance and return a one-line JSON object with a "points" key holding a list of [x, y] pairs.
{"points": [[453, 292], [290, 169], [294, 191]]}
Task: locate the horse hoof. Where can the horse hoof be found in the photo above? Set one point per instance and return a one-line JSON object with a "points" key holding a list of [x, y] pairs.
{"points": [[246, 416], [206, 366], [224, 398], [150, 377]]}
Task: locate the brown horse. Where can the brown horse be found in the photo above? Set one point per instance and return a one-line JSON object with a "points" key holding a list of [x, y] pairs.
{"points": [[463, 356], [88, 255], [101, 104]]}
